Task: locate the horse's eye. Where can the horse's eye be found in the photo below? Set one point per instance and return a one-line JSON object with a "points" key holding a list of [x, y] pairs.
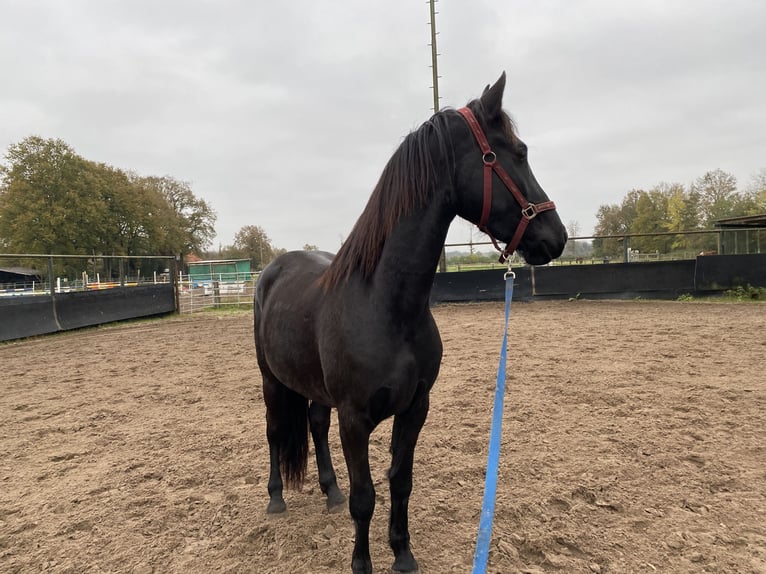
{"points": [[522, 150]]}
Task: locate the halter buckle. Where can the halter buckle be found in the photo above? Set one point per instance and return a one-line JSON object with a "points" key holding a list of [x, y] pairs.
{"points": [[489, 158], [530, 211]]}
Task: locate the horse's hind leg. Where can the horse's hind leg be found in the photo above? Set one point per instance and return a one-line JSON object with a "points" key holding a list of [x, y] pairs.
{"points": [[277, 503], [287, 434], [319, 421], [276, 500], [403, 439]]}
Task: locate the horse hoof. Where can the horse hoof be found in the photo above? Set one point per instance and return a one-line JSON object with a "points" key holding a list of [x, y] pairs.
{"points": [[336, 508], [336, 502], [361, 566], [405, 564], [276, 507]]}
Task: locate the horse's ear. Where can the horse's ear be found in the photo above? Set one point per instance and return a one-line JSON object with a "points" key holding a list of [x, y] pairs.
{"points": [[492, 98]]}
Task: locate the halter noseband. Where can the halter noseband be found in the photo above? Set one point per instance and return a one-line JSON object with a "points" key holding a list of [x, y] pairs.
{"points": [[528, 210]]}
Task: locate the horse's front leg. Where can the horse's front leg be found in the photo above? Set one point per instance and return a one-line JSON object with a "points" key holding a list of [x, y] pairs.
{"points": [[319, 419], [403, 440], [355, 429]]}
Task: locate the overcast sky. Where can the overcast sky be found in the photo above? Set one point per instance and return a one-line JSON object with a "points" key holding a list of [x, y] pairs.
{"points": [[283, 114]]}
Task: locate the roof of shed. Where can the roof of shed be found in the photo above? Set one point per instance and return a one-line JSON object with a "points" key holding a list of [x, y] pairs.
{"points": [[742, 222], [21, 271]]}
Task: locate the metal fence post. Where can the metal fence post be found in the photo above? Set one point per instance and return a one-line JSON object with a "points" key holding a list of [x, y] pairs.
{"points": [[50, 276], [53, 293], [175, 279]]}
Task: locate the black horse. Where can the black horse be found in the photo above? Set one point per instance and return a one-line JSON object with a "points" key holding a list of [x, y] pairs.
{"points": [[355, 331]]}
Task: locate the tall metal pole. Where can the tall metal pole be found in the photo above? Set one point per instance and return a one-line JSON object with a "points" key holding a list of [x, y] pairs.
{"points": [[435, 74], [434, 54]]}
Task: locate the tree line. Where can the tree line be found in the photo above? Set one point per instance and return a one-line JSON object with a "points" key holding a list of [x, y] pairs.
{"points": [[54, 201], [671, 208]]}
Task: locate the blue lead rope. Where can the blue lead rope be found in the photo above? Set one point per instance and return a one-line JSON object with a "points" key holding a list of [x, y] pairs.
{"points": [[493, 458]]}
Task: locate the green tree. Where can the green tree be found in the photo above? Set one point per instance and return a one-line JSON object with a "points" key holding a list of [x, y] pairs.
{"points": [[683, 215], [191, 223], [615, 220], [683, 209], [46, 205], [651, 213], [129, 219], [717, 191], [756, 193], [251, 242]]}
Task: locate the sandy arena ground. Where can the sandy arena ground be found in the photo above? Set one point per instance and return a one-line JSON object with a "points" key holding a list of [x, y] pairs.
{"points": [[634, 441]]}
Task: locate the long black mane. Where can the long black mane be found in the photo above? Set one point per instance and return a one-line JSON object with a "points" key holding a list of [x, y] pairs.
{"points": [[405, 185]]}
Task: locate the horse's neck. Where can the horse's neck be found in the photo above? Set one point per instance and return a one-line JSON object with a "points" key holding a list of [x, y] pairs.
{"points": [[405, 274]]}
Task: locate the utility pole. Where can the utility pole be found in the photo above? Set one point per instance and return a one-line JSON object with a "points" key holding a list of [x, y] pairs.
{"points": [[435, 74]]}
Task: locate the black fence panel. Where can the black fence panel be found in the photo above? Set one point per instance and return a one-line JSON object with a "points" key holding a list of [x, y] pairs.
{"points": [[717, 272], [26, 316], [660, 279], [653, 280], [487, 285], [87, 308]]}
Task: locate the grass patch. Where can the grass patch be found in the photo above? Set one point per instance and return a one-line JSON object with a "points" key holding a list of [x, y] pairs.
{"points": [[240, 309], [740, 294], [746, 293]]}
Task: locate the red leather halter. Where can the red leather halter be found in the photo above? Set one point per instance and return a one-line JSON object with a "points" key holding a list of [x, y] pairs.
{"points": [[528, 210]]}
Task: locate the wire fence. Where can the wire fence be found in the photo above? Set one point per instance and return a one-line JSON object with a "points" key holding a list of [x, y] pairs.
{"points": [[217, 291], [624, 248]]}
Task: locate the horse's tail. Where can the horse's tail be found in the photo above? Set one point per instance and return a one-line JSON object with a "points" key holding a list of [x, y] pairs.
{"points": [[287, 412], [291, 436]]}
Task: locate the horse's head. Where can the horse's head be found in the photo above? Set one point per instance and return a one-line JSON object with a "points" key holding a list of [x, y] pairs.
{"points": [[494, 185]]}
